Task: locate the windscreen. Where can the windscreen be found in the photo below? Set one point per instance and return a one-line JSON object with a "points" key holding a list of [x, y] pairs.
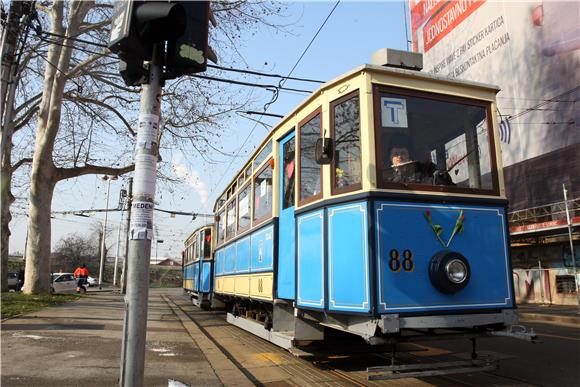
{"points": [[434, 141]]}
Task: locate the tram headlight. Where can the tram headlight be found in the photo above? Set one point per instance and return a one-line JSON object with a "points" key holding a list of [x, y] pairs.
{"points": [[456, 271], [449, 271]]}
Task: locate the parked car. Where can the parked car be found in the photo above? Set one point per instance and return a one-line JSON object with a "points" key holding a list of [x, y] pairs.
{"points": [[65, 283], [12, 281], [92, 281]]}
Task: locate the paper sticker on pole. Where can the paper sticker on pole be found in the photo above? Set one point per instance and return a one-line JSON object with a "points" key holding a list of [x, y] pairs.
{"points": [[141, 220], [145, 174], [147, 134]]}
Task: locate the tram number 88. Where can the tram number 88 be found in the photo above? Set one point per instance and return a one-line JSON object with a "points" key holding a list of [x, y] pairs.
{"points": [[406, 262]]}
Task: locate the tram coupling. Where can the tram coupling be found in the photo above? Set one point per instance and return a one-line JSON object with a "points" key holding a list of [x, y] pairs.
{"points": [[519, 332]]}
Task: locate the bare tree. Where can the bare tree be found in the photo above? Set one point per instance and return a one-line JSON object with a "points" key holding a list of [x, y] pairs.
{"points": [[85, 116], [75, 249]]}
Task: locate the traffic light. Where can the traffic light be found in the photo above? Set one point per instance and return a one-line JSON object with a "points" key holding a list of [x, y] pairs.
{"points": [[138, 25], [188, 53]]}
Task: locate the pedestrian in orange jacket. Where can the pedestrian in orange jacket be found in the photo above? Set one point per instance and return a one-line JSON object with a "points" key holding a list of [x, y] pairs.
{"points": [[81, 274]]}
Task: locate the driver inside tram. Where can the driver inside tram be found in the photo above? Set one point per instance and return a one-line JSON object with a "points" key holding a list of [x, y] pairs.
{"points": [[401, 166]]}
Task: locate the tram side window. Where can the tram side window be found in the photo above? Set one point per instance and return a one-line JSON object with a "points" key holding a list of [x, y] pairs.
{"points": [[207, 244], [263, 155], [434, 140], [221, 227], [310, 171], [263, 194], [231, 219], [347, 156], [244, 204], [195, 249]]}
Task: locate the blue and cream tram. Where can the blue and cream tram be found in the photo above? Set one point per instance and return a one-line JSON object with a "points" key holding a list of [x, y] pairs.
{"points": [[197, 261], [376, 207]]}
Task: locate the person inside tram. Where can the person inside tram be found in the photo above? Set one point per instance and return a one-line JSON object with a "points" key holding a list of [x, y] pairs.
{"points": [[404, 168]]}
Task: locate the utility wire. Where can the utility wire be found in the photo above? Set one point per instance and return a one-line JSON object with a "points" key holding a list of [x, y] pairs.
{"points": [[209, 78], [253, 72], [554, 99], [275, 97]]}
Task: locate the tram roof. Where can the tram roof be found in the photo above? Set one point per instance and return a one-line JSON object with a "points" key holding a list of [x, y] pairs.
{"points": [[358, 70]]}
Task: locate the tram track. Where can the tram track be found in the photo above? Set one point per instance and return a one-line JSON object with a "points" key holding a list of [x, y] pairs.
{"points": [[329, 370]]}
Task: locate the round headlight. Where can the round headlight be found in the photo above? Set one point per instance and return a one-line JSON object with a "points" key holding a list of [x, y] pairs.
{"points": [[449, 271], [456, 271]]}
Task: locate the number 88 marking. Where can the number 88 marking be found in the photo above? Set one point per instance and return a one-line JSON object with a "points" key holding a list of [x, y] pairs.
{"points": [[408, 264], [394, 263], [395, 260]]}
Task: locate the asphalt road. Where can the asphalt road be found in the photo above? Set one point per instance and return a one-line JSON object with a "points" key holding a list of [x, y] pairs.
{"points": [[553, 361]]}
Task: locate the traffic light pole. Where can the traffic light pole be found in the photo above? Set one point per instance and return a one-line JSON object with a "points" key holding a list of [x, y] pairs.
{"points": [[141, 232]]}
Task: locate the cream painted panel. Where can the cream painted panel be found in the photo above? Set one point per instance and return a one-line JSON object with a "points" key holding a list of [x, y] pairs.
{"points": [[261, 286]]}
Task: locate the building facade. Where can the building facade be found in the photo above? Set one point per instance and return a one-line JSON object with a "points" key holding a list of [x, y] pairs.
{"points": [[531, 49]]}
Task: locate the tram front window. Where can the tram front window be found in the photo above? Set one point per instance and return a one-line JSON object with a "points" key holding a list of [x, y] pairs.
{"points": [[436, 142]]}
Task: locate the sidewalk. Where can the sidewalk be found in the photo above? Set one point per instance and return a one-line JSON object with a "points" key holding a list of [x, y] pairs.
{"points": [[79, 343], [554, 314]]}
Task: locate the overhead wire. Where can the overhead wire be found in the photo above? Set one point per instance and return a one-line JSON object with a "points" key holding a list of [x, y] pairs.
{"points": [[275, 97]]}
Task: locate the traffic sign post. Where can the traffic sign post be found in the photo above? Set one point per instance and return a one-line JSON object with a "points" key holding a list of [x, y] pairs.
{"points": [[141, 232], [155, 41]]}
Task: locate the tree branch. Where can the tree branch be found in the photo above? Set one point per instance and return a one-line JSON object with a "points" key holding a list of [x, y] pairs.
{"points": [[106, 106], [86, 63], [22, 121], [88, 169], [20, 163]]}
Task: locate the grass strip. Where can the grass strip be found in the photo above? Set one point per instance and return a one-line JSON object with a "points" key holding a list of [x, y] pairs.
{"points": [[12, 304]]}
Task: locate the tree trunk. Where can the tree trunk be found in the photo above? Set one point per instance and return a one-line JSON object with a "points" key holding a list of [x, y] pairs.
{"points": [[37, 273], [6, 199], [7, 90], [44, 174]]}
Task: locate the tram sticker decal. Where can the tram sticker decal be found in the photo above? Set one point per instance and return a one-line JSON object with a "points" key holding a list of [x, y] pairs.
{"points": [[438, 230], [395, 262], [394, 112]]}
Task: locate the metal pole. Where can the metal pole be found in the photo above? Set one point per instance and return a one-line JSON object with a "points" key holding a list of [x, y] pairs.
{"points": [[572, 253], [117, 253], [126, 253], [102, 263], [141, 229]]}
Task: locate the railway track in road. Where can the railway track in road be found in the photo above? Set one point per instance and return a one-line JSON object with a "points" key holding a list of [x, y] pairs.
{"points": [[264, 363]]}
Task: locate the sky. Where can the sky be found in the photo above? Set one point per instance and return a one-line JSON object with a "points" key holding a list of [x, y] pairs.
{"points": [[351, 34]]}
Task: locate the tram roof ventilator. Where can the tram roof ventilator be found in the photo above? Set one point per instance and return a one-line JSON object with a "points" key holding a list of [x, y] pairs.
{"points": [[390, 57]]}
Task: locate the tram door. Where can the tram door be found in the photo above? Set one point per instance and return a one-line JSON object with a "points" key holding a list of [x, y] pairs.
{"points": [[286, 262]]}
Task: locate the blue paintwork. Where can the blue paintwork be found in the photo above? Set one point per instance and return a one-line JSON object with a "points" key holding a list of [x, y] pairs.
{"points": [[262, 246], [286, 234], [348, 258], [230, 259], [484, 244], [205, 277], [243, 255], [196, 276], [188, 274], [219, 262], [310, 260]]}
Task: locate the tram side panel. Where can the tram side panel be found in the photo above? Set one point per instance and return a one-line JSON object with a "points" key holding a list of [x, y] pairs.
{"points": [[188, 277], [244, 268]]}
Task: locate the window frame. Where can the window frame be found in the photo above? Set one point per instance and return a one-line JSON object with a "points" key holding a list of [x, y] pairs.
{"points": [[263, 219], [353, 187], [234, 200], [251, 201], [301, 202], [378, 89], [222, 218]]}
